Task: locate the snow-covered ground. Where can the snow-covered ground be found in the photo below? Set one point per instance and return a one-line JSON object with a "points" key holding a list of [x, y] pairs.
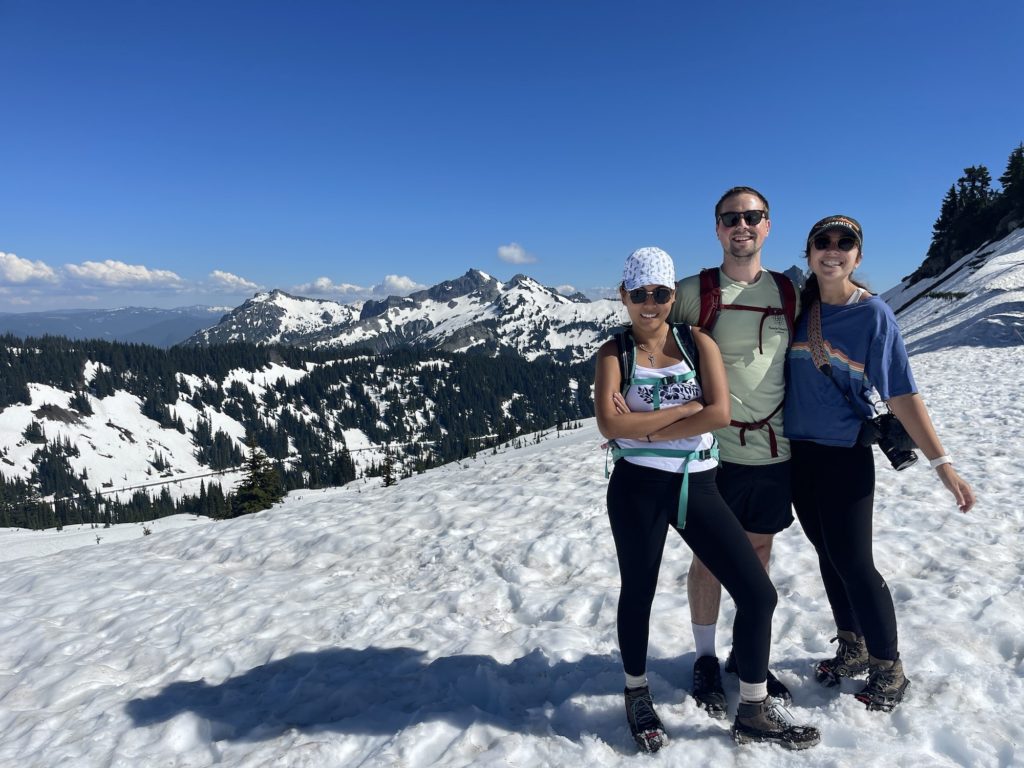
{"points": [[977, 301], [117, 445], [465, 616]]}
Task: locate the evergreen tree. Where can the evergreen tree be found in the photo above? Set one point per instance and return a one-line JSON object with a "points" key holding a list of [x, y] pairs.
{"points": [[943, 227], [1013, 184], [388, 471], [216, 502], [344, 470], [974, 188], [261, 487], [81, 403], [34, 433]]}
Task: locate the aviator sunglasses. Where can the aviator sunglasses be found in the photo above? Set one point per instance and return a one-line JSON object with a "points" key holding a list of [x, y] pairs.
{"points": [[824, 242], [732, 218], [661, 295]]}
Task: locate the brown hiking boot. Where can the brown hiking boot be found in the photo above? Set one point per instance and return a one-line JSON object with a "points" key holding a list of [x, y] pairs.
{"points": [[768, 721], [851, 660], [886, 685]]}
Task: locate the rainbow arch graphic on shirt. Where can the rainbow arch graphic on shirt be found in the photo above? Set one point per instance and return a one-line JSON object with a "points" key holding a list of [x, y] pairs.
{"points": [[836, 358]]}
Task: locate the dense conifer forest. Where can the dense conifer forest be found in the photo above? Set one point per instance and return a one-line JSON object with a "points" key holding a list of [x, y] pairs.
{"points": [[424, 408]]}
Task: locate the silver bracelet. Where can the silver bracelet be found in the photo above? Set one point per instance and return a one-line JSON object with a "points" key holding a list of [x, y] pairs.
{"points": [[938, 461]]}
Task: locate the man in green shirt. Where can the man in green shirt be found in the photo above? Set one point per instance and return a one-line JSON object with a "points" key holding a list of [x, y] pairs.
{"points": [[753, 477]]}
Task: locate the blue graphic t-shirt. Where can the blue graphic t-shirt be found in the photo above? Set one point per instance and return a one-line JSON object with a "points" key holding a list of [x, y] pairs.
{"points": [[866, 352]]}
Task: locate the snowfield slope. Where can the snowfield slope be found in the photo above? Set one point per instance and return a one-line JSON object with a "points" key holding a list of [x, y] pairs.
{"points": [[977, 302], [466, 617]]}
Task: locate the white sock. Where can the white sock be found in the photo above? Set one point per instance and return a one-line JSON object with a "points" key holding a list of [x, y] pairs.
{"points": [[704, 639], [752, 693], [636, 681]]}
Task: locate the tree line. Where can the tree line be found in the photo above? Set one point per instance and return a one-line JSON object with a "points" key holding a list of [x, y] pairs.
{"points": [[422, 408], [973, 213]]}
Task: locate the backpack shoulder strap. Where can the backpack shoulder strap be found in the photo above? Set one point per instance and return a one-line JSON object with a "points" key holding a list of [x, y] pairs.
{"points": [[710, 298], [787, 292], [627, 357], [687, 345]]}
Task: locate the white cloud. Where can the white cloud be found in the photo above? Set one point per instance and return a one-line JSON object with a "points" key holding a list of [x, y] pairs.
{"points": [[225, 281], [397, 285], [514, 253], [324, 286], [117, 274], [391, 285], [566, 290], [17, 270]]}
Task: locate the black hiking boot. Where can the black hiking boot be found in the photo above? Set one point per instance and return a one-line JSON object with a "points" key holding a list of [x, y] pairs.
{"points": [[768, 721], [707, 686], [775, 688], [886, 685], [644, 723], [851, 660]]}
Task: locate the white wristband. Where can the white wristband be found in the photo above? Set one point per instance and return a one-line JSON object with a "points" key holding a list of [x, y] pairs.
{"points": [[938, 461]]}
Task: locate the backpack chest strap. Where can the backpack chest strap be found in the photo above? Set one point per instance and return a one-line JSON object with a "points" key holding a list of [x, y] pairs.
{"points": [[766, 312], [659, 383]]}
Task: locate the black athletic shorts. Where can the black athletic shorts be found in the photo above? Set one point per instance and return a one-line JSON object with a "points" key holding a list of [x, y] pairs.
{"points": [[759, 495]]}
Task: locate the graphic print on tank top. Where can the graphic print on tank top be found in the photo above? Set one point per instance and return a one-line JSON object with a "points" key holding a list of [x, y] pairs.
{"points": [[676, 393]]}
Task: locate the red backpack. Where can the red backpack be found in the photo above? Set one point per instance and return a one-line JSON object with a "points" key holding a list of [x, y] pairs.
{"points": [[711, 306], [711, 303]]}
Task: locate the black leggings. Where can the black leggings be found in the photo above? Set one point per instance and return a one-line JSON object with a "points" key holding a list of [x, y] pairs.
{"points": [[833, 493], [642, 504]]}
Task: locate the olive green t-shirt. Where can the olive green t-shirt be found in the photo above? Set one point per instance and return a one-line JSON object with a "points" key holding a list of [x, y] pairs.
{"points": [[756, 376]]}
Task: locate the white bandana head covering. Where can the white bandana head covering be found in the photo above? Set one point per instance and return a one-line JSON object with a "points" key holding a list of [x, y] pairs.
{"points": [[648, 266]]}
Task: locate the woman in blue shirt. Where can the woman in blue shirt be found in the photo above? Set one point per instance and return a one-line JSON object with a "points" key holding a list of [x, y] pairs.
{"points": [[848, 349]]}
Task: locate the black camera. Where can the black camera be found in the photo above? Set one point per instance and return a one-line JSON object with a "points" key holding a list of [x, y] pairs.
{"points": [[891, 436]]}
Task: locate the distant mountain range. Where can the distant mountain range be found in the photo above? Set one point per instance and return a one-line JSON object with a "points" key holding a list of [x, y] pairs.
{"points": [[472, 311], [134, 325], [475, 310]]}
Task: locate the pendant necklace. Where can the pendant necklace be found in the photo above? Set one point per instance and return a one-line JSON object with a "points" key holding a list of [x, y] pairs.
{"points": [[650, 355]]}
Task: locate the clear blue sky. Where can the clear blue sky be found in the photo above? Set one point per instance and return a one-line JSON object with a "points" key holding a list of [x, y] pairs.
{"points": [[170, 153]]}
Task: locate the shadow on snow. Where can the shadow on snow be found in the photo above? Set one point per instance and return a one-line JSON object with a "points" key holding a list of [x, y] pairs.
{"points": [[385, 690]]}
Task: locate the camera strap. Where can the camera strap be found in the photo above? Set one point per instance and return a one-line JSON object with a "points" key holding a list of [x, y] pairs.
{"points": [[820, 355], [871, 430]]}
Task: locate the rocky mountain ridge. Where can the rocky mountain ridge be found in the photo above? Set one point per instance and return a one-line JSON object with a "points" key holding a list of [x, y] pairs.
{"points": [[473, 311]]}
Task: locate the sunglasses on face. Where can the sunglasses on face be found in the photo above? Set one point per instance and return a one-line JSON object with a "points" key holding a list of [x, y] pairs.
{"points": [[661, 295], [732, 218], [824, 242]]}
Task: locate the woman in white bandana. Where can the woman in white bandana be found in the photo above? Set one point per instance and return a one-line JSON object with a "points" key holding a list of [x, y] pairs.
{"points": [[659, 417]]}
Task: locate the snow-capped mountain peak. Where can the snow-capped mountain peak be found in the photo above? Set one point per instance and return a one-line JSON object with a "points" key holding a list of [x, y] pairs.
{"points": [[473, 310], [275, 317]]}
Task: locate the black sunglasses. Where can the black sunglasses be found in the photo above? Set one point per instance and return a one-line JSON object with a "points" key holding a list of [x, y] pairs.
{"points": [[824, 242], [732, 218], [661, 295]]}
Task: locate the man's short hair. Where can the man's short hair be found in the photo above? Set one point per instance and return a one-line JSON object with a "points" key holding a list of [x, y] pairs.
{"points": [[741, 191]]}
